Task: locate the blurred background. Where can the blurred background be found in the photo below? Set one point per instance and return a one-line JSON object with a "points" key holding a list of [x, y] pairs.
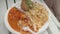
{"points": [[54, 5]]}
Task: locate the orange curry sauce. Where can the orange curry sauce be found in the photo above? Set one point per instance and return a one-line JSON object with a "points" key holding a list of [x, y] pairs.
{"points": [[14, 16]]}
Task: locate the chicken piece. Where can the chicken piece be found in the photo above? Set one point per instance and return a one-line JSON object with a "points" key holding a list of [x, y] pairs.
{"points": [[24, 5]]}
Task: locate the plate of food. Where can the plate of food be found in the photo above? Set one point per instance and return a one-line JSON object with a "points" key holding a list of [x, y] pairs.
{"points": [[27, 17]]}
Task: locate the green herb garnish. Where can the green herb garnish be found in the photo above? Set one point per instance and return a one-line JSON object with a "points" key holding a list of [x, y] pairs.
{"points": [[30, 3]]}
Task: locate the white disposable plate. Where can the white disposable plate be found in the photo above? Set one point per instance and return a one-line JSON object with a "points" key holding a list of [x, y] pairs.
{"points": [[18, 6]]}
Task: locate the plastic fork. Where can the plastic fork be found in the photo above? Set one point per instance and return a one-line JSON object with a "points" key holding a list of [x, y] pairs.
{"points": [[28, 29]]}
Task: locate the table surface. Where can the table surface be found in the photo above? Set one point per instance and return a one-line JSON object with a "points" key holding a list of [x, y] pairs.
{"points": [[54, 25]]}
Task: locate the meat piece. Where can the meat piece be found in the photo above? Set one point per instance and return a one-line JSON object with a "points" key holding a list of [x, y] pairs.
{"points": [[24, 5]]}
